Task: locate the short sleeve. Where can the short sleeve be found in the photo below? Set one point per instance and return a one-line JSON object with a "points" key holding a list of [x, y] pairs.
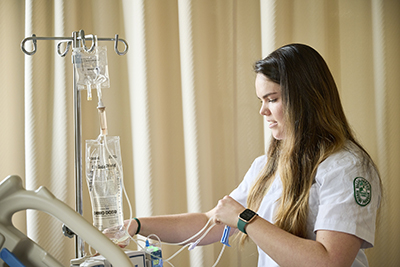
{"points": [[241, 192], [349, 196]]}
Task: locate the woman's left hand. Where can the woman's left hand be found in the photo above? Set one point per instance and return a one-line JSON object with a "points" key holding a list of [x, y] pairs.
{"points": [[227, 211]]}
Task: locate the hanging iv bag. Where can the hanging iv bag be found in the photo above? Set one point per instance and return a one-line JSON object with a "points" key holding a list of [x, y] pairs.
{"points": [[91, 69], [104, 178]]}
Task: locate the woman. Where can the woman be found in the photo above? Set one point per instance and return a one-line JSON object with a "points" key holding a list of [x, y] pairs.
{"points": [[315, 195]]}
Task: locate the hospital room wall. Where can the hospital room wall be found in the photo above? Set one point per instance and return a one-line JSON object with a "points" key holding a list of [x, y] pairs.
{"points": [[182, 100]]}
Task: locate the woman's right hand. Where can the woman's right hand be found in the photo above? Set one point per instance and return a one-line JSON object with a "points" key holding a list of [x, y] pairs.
{"points": [[227, 211]]}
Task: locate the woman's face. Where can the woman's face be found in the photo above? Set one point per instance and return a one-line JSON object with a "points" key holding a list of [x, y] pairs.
{"points": [[271, 105]]}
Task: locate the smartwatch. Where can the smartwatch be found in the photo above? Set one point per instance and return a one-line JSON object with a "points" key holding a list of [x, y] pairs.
{"points": [[244, 218]]}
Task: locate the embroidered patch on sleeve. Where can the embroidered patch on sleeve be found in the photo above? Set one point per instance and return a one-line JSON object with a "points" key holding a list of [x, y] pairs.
{"points": [[362, 191]]}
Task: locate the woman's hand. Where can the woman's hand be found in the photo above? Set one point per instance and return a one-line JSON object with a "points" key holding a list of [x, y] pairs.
{"points": [[133, 226], [227, 211]]}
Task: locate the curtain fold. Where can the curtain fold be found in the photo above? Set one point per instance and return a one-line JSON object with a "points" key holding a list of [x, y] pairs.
{"points": [[49, 145], [182, 100], [385, 68], [140, 113], [190, 109]]}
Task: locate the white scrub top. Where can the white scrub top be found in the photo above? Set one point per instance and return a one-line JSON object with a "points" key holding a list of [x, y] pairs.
{"points": [[345, 198]]}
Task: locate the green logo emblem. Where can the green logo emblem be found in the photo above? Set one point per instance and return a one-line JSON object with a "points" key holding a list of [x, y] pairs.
{"points": [[362, 191]]}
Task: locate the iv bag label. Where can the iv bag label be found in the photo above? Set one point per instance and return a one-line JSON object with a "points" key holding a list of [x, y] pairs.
{"points": [[91, 67], [105, 212]]}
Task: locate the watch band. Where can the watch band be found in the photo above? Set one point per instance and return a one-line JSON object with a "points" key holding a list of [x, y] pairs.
{"points": [[240, 225]]}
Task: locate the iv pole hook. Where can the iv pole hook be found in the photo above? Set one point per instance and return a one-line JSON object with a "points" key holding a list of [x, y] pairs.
{"points": [[69, 41], [63, 54], [83, 39], [116, 46], [34, 41]]}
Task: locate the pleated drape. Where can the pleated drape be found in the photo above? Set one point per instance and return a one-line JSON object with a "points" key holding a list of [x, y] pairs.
{"points": [[181, 92], [183, 102], [190, 107], [139, 97], [386, 66], [48, 126]]}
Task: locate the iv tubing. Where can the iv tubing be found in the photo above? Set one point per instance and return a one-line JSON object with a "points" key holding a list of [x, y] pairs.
{"points": [[190, 245], [125, 193], [102, 112], [103, 133], [192, 237]]}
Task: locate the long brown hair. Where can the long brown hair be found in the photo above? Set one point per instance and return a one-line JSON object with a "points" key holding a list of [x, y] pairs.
{"points": [[315, 128]]}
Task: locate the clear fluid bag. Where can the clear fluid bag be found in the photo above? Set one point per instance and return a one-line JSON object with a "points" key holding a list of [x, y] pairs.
{"points": [[91, 68], [104, 178]]}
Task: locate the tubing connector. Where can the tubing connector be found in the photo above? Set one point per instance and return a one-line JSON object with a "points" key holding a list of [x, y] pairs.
{"points": [[103, 120]]}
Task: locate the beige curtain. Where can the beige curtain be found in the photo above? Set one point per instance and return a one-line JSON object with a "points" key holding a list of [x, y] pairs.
{"points": [[182, 100]]}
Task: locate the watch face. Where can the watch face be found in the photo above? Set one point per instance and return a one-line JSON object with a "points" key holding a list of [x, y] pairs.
{"points": [[247, 214]]}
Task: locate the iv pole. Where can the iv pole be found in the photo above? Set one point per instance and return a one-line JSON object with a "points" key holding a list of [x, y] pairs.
{"points": [[77, 40]]}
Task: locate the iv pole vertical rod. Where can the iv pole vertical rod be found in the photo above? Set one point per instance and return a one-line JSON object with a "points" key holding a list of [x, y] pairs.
{"points": [[79, 246]]}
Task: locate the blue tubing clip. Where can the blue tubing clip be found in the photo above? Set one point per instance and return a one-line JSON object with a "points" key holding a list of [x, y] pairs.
{"points": [[225, 236]]}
